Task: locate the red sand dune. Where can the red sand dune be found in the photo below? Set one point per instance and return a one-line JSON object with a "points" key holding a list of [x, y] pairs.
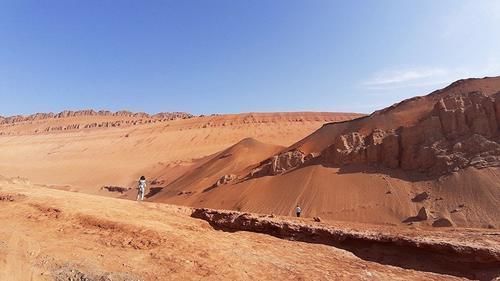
{"points": [[86, 157]]}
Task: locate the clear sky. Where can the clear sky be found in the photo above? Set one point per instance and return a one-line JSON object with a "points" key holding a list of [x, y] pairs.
{"points": [[226, 56]]}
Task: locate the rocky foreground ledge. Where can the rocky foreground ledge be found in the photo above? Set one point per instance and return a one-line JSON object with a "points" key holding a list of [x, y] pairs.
{"points": [[423, 251]]}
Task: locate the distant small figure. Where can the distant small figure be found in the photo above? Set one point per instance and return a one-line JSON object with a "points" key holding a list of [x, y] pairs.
{"points": [[141, 188], [298, 210]]}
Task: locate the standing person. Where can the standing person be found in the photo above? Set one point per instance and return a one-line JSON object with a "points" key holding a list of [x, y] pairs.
{"points": [[141, 188], [298, 210]]}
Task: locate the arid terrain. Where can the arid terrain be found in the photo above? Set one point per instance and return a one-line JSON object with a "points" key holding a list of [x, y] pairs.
{"points": [[58, 235], [437, 155], [409, 192]]}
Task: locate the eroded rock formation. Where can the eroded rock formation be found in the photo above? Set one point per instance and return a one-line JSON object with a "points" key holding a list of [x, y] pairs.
{"points": [[461, 259], [280, 163], [422, 214], [461, 131], [442, 222], [225, 179]]}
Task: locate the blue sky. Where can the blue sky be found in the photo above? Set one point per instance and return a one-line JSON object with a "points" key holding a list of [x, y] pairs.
{"points": [[226, 56]]}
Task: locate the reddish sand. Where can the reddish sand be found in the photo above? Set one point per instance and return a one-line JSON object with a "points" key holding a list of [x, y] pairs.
{"points": [[87, 159], [59, 235]]}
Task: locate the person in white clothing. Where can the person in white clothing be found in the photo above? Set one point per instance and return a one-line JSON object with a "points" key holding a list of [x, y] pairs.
{"points": [[141, 188], [298, 210]]}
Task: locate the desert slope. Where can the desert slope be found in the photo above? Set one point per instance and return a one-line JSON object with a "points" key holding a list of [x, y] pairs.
{"points": [[210, 171], [438, 155], [116, 148]]}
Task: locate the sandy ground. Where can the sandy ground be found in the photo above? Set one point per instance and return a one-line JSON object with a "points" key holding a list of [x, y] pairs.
{"points": [[50, 234]]}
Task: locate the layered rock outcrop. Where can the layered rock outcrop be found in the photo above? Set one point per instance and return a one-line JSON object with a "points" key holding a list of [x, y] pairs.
{"points": [[280, 163], [461, 130], [459, 258], [354, 148]]}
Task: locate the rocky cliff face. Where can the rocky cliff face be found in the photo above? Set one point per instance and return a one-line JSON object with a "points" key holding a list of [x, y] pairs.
{"points": [[461, 131]]}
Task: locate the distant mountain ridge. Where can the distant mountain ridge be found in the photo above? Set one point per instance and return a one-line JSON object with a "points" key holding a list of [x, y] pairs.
{"points": [[91, 112]]}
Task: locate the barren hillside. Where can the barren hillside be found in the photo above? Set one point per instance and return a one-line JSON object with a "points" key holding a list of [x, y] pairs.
{"points": [[431, 160]]}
